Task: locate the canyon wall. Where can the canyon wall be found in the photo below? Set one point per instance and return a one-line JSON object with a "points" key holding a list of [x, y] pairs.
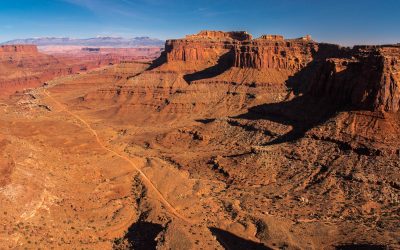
{"points": [[215, 73], [211, 34], [18, 48], [364, 77], [196, 50], [273, 52], [367, 80], [268, 51], [22, 66]]}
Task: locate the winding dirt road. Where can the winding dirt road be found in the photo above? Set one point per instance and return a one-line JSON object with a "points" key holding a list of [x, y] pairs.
{"points": [[146, 179]]}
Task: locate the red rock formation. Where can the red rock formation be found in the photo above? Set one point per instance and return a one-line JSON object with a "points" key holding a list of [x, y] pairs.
{"points": [[23, 66], [368, 80], [237, 49], [268, 51], [205, 47], [195, 50], [273, 52], [235, 35], [239, 125], [18, 48], [215, 74], [364, 78]]}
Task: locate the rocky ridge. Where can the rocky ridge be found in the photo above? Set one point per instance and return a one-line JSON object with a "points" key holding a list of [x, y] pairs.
{"points": [[367, 79], [364, 77], [250, 72]]}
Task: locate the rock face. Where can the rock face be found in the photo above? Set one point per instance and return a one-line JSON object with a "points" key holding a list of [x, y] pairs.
{"points": [[216, 73], [22, 66], [18, 48], [206, 47], [273, 52], [195, 50], [368, 79], [233, 35], [365, 77], [266, 52]]}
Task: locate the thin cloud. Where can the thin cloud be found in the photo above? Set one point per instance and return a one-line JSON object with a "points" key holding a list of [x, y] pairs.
{"points": [[104, 7], [208, 12]]}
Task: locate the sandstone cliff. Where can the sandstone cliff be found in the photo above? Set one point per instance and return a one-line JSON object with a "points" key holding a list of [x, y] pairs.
{"points": [[217, 73], [210, 34], [273, 52], [365, 77], [18, 48], [22, 66], [367, 80]]}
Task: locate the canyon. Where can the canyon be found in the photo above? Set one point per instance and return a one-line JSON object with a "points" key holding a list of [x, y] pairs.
{"points": [[99, 41], [24, 66], [218, 141]]}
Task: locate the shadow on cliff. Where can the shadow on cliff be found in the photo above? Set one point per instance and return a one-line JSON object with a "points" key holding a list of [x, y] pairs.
{"points": [[224, 63], [232, 242], [302, 112], [159, 61], [362, 247], [141, 235]]}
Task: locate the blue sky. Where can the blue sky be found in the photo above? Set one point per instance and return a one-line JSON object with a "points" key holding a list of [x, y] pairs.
{"points": [[341, 21]]}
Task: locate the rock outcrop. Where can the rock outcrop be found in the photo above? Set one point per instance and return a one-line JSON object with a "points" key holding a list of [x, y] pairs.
{"points": [[18, 48], [22, 66], [367, 80], [365, 77], [233, 35], [216, 72], [273, 52]]}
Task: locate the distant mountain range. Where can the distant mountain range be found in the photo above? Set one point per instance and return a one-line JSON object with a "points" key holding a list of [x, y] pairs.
{"points": [[116, 42]]}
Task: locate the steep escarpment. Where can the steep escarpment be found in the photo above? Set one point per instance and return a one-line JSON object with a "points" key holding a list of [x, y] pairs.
{"points": [[368, 80], [239, 49], [273, 52], [215, 72], [18, 48], [198, 75], [203, 50], [298, 82], [22, 66]]}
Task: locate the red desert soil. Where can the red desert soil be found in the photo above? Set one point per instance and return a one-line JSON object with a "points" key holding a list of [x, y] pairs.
{"points": [[224, 141]]}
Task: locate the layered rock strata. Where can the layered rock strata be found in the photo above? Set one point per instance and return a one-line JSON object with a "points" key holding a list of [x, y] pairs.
{"points": [[23, 66], [365, 77], [18, 48], [367, 80], [273, 52], [226, 72]]}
